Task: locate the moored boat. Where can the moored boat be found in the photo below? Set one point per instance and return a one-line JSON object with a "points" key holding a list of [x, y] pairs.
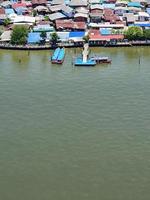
{"points": [[61, 56], [55, 56], [58, 56], [100, 60]]}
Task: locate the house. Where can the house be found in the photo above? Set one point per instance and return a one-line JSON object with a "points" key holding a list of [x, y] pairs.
{"points": [[120, 10], [143, 16], [81, 17], [96, 13], [25, 20], [93, 2], [121, 3], [39, 2], [97, 37], [43, 27], [42, 10], [66, 10], [69, 24], [6, 4], [134, 4], [78, 3], [83, 10], [105, 25], [57, 15], [6, 36], [2, 11], [134, 10], [57, 2], [129, 18]]}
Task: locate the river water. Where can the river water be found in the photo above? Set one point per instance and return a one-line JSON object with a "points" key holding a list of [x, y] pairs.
{"points": [[75, 133]]}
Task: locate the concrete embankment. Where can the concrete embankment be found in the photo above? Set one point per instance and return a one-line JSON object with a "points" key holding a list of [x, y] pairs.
{"points": [[72, 45]]}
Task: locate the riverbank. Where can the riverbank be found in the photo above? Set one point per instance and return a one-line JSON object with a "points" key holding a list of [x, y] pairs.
{"points": [[72, 45]]}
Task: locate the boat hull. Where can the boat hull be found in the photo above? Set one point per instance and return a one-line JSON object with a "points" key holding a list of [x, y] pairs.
{"points": [[59, 58]]}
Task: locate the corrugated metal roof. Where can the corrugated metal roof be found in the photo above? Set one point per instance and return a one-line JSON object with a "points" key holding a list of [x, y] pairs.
{"points": [[56, 16], [6, 36]]}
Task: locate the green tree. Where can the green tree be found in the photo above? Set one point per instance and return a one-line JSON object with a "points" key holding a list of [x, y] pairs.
{"points": [[134, 33], [19, 35], [43, 36], [86, 38], [34, 13], [7, 21], [54, 39], [146, 34], [46, 18]]}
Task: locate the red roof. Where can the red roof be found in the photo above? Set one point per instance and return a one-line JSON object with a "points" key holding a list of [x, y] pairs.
{"points": [[109, 16], [95, 35], [17, 5], [69, 24], [39, 2], [2, 11]]}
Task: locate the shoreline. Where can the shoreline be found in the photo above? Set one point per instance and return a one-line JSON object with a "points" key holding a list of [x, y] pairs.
{"points": [[67, 45]]}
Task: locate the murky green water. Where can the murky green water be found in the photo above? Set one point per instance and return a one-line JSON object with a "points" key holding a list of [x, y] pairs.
{"points": [[71, 133]]}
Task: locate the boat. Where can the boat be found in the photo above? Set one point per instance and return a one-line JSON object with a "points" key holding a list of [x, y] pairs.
{"points": [[89, 62], [55, 55], [61, 56], [58, 56], [100, 60]]}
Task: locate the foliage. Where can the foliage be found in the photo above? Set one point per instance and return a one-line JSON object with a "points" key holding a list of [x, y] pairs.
{"points": [[146, 34], [7, 21], [46, 18], [34, 13], [19, 35], [86, 38], [54, 38], [43, 36], [134, 33]]}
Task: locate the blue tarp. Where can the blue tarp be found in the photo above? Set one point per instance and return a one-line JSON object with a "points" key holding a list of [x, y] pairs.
{"points": [[40, 28], [20, 10], [134, 4], [109, 5], [105, 31], [13, 1], [9, 11], [76, 34], [34, 37], [148, 10], [142, 25]]}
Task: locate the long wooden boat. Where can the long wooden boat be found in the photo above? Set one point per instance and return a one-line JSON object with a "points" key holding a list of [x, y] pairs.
{"points": [[55, 56], [61, 56], [100, 60]]}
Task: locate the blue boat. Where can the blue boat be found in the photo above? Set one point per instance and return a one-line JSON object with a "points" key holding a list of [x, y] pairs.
{"points": [[58, 56], [61, 56], [79, 62], [55, 55]]}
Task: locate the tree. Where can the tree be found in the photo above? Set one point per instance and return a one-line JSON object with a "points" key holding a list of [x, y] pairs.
{"points": [[134, 33], [46, 18], [146, 34], [34, 13], [19, 35], [43, 36], [7, 21], [54, 39], [86, 38]]}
